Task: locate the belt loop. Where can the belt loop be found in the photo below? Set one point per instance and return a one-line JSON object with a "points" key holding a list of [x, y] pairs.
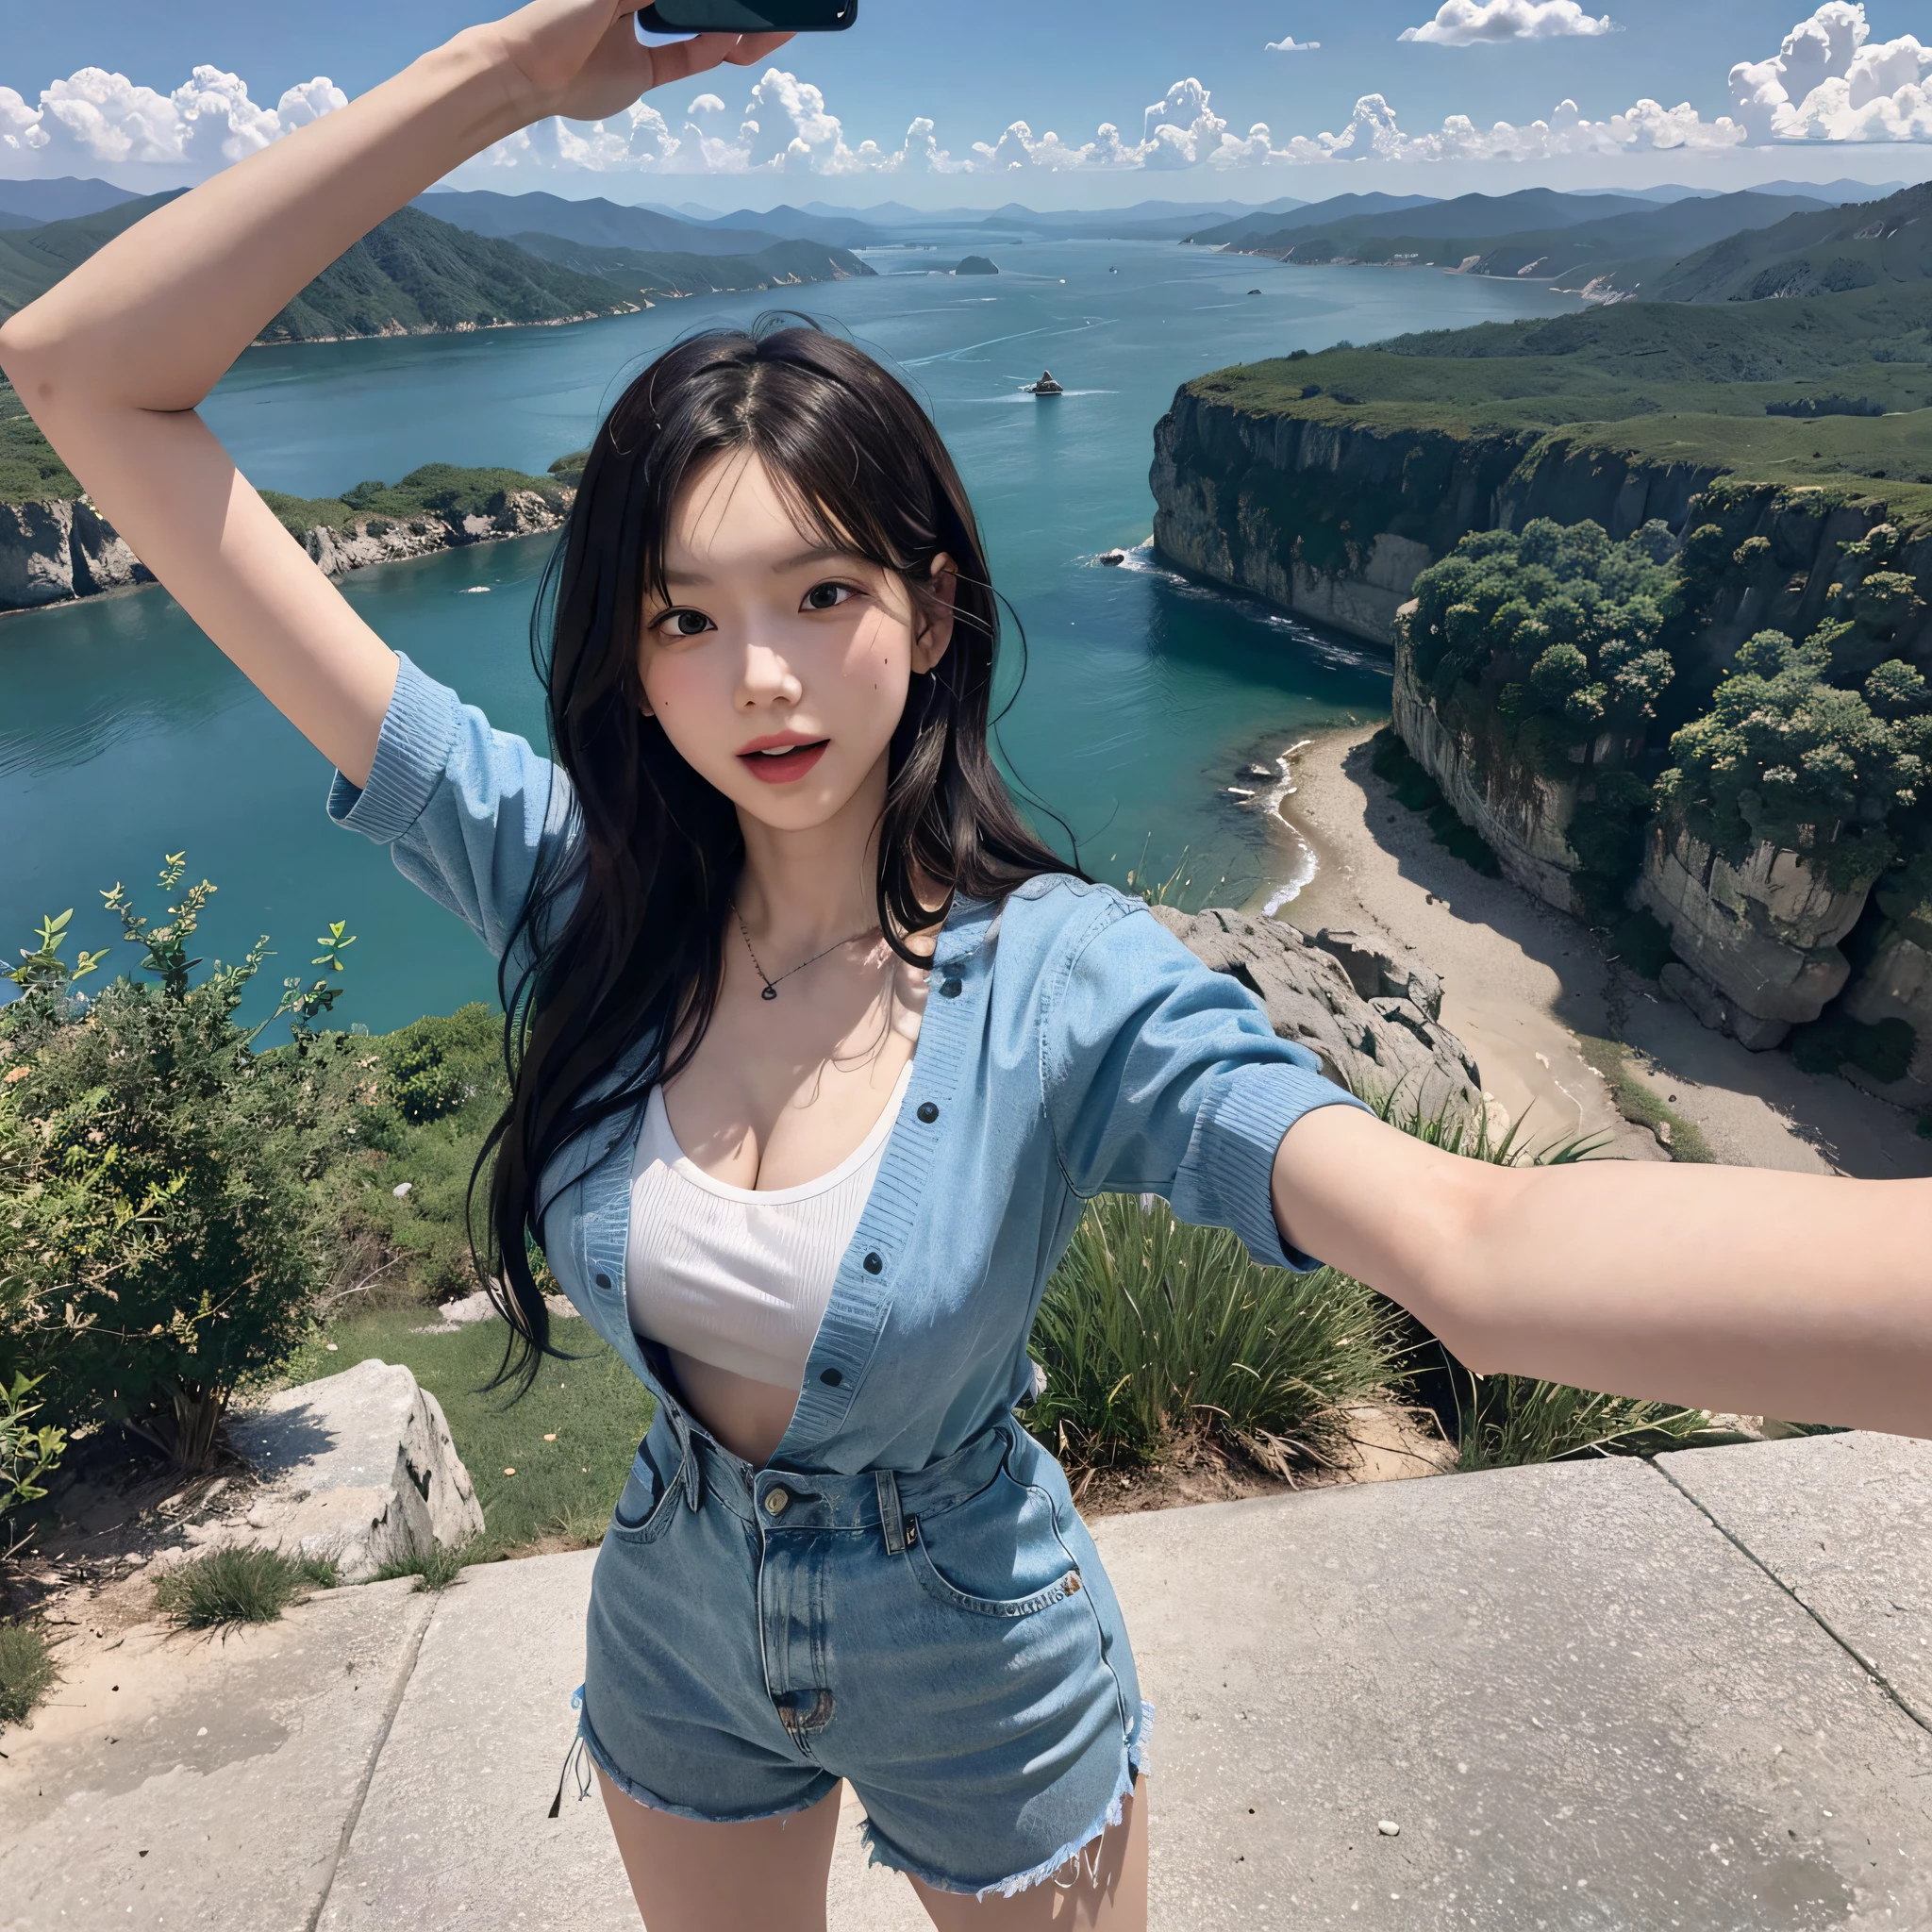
{"points": [[890, 1520], [687, 1471]]}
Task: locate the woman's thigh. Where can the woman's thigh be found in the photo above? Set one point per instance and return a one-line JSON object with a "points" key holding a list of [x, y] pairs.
{"points": [[768, 1875], [1107, 1894]]}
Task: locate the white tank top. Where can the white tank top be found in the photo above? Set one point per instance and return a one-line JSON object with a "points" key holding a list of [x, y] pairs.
{"points": [[738, 1278]]}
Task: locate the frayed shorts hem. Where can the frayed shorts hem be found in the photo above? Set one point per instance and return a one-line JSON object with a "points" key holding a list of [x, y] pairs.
{"points": [[651, 1800], [881, 1851]]}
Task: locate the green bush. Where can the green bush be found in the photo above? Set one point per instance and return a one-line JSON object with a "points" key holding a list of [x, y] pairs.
{"points": [[237, 1584], [1785, 757], [26, 1670], [1151, 1329], [158, 1234], [434, 1065], [1502, 1420], [26, 1454]]}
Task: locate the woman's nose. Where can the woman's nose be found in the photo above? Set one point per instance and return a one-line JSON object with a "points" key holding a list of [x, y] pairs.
{"points": [[767, 677]]}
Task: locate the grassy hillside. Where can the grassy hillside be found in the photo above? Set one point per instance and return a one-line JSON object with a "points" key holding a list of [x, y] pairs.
{"points": [[29, 469], [434, 489], [410, 273], [1664, 382], [1378, 217], [1868, 245], [654, 274]]}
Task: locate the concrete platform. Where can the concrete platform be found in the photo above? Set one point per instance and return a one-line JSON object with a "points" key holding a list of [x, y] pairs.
{"points": [[1614, 1695]]}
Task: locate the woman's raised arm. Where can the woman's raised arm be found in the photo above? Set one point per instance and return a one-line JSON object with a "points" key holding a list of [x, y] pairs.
{"points": [[113, 361], [1743, 1289]]}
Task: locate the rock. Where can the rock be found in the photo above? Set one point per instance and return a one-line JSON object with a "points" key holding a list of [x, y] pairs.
{"points": [[51, 551], [1760, 938], [1375, 972], [1895, 983], [362, 1469], [1390, 1044], [1113, 558]]}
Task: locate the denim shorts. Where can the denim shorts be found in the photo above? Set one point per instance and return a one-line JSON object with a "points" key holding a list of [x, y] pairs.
{"points": [[947, 1640]]}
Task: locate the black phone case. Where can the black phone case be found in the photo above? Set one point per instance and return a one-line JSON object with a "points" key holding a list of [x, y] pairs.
{"points": [[652, 18]]}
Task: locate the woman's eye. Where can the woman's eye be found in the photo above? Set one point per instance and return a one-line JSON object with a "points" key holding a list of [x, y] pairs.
{"points": [[827, 597], [682, 623]]}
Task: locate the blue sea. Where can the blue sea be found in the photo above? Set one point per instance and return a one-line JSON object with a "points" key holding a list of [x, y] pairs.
{"points": [[1147, 707]]}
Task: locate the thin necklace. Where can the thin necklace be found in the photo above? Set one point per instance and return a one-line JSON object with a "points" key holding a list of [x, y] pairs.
{"points": [[770, 991]]}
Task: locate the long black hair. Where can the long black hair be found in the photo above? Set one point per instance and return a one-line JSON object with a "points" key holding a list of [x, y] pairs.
{"points": [[621, 938]]}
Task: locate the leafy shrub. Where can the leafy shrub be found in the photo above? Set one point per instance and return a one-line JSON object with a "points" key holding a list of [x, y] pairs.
{"points": [[156, 1223], [432, 1066], [1503, 1421], [26, 1454], [1557, 622], [237, 1584], [1150, 1328], [26, 1670], [1785, 757]]}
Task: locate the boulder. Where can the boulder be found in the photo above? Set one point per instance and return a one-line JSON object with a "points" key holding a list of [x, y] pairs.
{"points": [[1759, 938], [359, 1467], [1367, 1013], [1895, 983]]}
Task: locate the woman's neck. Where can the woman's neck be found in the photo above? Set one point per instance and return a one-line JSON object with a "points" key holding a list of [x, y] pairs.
{"points": [[810, 888]]}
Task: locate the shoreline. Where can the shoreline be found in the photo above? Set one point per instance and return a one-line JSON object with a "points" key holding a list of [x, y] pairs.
{"points": [[1525, 985]]}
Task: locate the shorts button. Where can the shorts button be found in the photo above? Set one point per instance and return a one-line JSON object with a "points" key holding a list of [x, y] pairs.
{"points": [[949, 989], [871, 1264], [928, 1112], [831, 1378], [776, 1502]]}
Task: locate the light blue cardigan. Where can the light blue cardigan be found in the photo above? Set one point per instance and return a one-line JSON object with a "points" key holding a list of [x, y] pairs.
{"points": [[1071, 1046]]}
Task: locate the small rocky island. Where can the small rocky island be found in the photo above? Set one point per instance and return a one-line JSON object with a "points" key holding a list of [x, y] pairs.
{"points": [[1046, 386], [977, 265]]}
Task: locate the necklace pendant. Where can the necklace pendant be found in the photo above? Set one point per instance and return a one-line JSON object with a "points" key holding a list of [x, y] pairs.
{"points": [[771, 993]]}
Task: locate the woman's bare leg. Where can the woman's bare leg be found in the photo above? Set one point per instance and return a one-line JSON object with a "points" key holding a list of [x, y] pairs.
{"points": [[768, 1875], [1108, 1895]]}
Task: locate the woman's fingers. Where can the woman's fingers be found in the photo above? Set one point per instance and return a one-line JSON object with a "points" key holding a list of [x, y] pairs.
{"points": [[680, 60]]}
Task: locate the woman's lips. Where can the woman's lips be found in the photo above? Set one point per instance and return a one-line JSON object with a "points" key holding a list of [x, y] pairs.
{"points": [[784, 767]]}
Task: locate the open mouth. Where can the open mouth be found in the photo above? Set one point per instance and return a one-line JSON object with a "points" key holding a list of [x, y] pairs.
{"points": [[783, 764]]}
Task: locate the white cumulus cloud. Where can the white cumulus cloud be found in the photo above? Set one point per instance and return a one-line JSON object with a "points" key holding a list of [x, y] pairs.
{"points": [[1289, 44], [1831, 81], [95, 117], [1466, 22]]}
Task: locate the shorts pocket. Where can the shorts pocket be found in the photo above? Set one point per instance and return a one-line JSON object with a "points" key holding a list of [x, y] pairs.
{"points": [[647, 1503], [998, 1554]]}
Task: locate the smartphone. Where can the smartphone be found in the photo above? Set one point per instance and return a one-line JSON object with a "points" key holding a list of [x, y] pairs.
{"points": [[748, 16]]}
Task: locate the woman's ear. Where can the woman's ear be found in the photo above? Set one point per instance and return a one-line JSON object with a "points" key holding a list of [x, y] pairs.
{"points": [[936, 614]]}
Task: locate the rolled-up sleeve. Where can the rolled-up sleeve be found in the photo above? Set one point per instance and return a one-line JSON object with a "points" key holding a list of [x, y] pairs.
{"points": [[1163, 1076], [468, 812]]}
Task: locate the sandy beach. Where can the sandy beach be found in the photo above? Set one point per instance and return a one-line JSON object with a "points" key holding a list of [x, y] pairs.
{"points": [[1523, 981]]}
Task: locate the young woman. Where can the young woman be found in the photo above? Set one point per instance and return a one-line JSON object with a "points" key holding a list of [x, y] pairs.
{"points": [[821, 1051]]}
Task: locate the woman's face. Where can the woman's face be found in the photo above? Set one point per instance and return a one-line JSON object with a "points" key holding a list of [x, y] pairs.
{"points": [[779, 668]]}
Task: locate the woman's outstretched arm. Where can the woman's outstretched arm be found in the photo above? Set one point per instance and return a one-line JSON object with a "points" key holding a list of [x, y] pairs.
{"points": [[1743, 1290], [114, 360]]}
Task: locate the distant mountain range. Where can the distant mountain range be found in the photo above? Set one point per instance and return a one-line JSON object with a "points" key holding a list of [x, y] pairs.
{"points": [[414, 274], [1822, 252]]}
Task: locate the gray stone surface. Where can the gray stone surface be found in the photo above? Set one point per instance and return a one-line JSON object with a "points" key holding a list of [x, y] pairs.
{"points": [[360, 1466], [1580, 1702], [1844, 1523], [186, 1780], [1391, 1043], [1575, 1696]]}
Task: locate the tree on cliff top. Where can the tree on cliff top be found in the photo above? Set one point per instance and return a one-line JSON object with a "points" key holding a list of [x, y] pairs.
{"points": [[1786, 758]]}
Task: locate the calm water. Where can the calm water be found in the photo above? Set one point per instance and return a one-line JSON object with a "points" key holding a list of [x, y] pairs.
{"points": [[124, 734]]}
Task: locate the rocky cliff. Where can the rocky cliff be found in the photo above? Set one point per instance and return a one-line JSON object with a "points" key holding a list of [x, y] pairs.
{"points": [[1335, 518], [1371, 1017], [55, 551]]}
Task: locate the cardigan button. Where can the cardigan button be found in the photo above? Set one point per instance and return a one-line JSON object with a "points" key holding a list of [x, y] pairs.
{"points": [[951, 989], [873, 1263], [928, 1112], [603, 1281], [831, 1377]]}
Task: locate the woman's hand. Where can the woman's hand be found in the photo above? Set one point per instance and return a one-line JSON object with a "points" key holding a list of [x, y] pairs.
{"points": [[582, 59]]}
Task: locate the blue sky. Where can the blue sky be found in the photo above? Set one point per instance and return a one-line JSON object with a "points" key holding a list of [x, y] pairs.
{"points": [[1366, 107]]}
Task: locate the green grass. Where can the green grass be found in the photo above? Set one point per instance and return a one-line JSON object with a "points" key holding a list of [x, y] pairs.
{"points": [[439, 1567], [595, 1407], [1503, 1421], [26, 1670], [1636, 1102], [1151, 1329], [237, 1584], [29, 469]]}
